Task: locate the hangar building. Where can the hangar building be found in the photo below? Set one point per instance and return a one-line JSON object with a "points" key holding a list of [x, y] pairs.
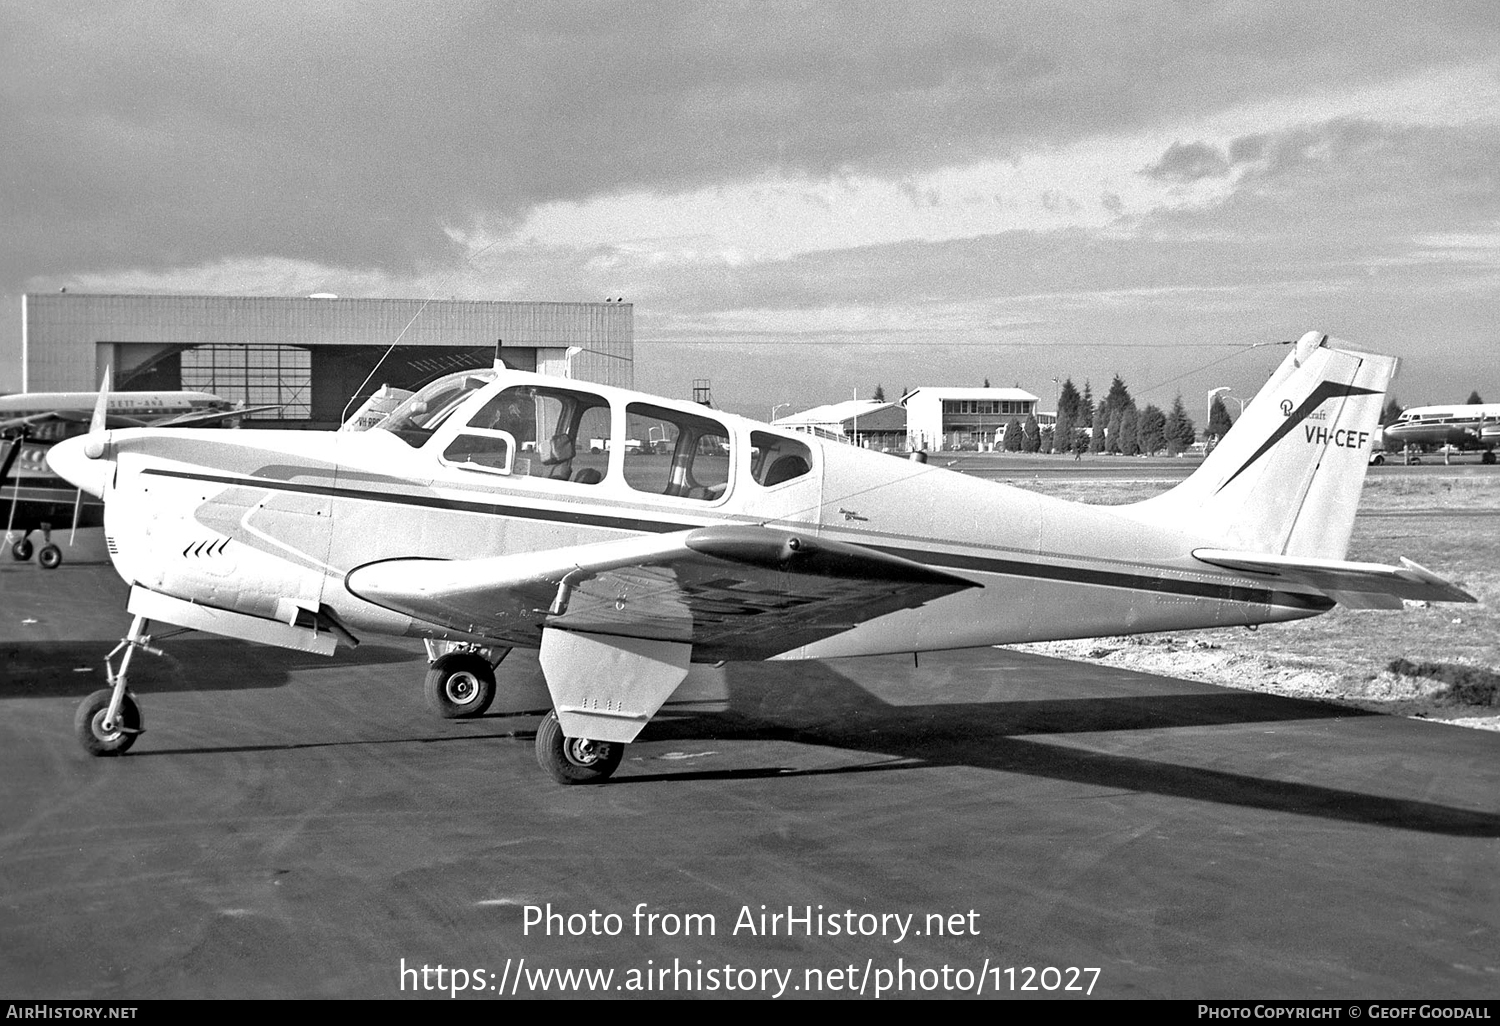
{"points": [[308, 356]]}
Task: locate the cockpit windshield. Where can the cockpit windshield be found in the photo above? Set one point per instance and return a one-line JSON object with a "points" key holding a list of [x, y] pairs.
{"points": [[424, 411]]}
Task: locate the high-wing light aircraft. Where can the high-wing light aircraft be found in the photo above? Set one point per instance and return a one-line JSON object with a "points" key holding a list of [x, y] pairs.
{"points": [[494, 509], [33, 498], [1472, 426]]}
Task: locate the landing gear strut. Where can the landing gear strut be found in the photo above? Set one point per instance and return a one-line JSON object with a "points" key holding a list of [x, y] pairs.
{"points": [[109, 720], [575, 760], [49, 556]]}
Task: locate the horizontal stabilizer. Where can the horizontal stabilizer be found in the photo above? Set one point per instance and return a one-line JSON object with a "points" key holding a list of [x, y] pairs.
{"points": [[1357, 585]]}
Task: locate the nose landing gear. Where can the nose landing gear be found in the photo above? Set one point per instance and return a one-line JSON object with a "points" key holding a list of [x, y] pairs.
{"points": [[109, 720]]}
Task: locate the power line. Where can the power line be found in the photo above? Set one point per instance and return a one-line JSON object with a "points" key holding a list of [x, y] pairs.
{"points": [[908, 344]]}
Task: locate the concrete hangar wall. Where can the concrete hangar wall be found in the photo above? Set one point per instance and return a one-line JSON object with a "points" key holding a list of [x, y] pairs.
{"points": [[308, 355]]}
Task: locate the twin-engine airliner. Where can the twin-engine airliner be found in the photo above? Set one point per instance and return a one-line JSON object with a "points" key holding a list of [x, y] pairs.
{"points": [[1468, 427]]}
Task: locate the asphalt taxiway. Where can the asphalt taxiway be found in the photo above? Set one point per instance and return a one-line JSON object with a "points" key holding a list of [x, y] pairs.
{"points": [[297, 826]]}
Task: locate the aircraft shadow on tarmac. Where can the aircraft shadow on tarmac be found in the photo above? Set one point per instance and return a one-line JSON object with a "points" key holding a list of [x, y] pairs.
{"points": [[816, 705], [822, 704], [48, 669]]}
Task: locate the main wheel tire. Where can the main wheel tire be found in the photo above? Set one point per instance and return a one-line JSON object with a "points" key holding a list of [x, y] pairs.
{"points": [[460, 685], [50, 557], [1488, 458], [573, 760], [21, 550], [88, 724]]}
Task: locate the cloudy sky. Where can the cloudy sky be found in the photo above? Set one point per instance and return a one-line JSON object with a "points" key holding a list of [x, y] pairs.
{"points": [[802, 200]]}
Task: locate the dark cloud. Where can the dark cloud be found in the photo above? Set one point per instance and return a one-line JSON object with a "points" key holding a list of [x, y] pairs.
{"points": [[1246, 148], [1188, 162], [153, 134], [1362, 183]]}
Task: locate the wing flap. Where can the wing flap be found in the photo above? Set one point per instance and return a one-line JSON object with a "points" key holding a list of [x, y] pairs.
{"points": [[1357, 585], [733, 592]]}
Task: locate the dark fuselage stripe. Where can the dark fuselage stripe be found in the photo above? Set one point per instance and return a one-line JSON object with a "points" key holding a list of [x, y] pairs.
{"points": [[947, 560], [437, 502], [1112, 579]]}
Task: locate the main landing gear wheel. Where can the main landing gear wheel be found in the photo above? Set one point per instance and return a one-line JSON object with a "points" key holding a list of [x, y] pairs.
{"points": [[575, 760], [21, 550], [115, 738], [1488, 458], [460, 685], [50, 557]]}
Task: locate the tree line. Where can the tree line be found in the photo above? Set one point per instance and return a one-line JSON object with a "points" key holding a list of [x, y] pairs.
{"points": [[1117, 425], [1114, 425]]}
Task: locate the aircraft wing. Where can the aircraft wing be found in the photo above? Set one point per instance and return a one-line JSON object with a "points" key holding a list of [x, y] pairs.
{"points": [[1356, 585], [206, 417], [733, 592], [41, 418], [121, 420]]}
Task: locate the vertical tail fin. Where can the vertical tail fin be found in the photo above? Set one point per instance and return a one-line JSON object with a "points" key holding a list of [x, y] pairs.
{"points": [[1287, 478]]}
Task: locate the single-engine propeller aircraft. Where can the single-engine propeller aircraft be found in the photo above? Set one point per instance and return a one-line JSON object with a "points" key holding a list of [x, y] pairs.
{"points": [[494, 509], [1473, 426]]}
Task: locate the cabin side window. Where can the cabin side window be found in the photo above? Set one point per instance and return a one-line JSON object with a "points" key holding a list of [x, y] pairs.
{"points": [[777, 460], [669, 452], [556, 434]]}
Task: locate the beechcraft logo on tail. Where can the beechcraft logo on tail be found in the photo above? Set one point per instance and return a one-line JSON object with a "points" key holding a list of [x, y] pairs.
{"points": [[1325, 391]]}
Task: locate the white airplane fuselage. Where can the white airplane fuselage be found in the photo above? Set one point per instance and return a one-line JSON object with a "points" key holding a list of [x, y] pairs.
{"points": [[144, 405], [1474, 426], [259, 522]]}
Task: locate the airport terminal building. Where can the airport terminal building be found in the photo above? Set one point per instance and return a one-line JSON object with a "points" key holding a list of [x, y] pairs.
{"points": [[308, 355], [939, 417]]}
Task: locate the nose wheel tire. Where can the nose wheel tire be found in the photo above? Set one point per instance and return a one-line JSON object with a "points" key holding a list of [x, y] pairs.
{"points": [[460, 685], [50, 557], [116, 739], [575, 760], [21, 550]]}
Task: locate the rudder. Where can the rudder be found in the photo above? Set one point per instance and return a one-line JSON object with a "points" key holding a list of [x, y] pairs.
{"points": [[1288, 477]]}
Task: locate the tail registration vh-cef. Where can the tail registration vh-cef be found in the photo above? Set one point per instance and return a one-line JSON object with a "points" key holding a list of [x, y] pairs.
{"points": [[495, 509]]}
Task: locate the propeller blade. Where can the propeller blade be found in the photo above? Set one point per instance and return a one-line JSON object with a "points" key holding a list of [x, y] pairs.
{"points": [[101, 408], [77, 508]]}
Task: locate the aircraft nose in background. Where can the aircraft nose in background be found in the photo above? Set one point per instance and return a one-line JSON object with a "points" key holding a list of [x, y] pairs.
{"points": [[70, 459]]}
